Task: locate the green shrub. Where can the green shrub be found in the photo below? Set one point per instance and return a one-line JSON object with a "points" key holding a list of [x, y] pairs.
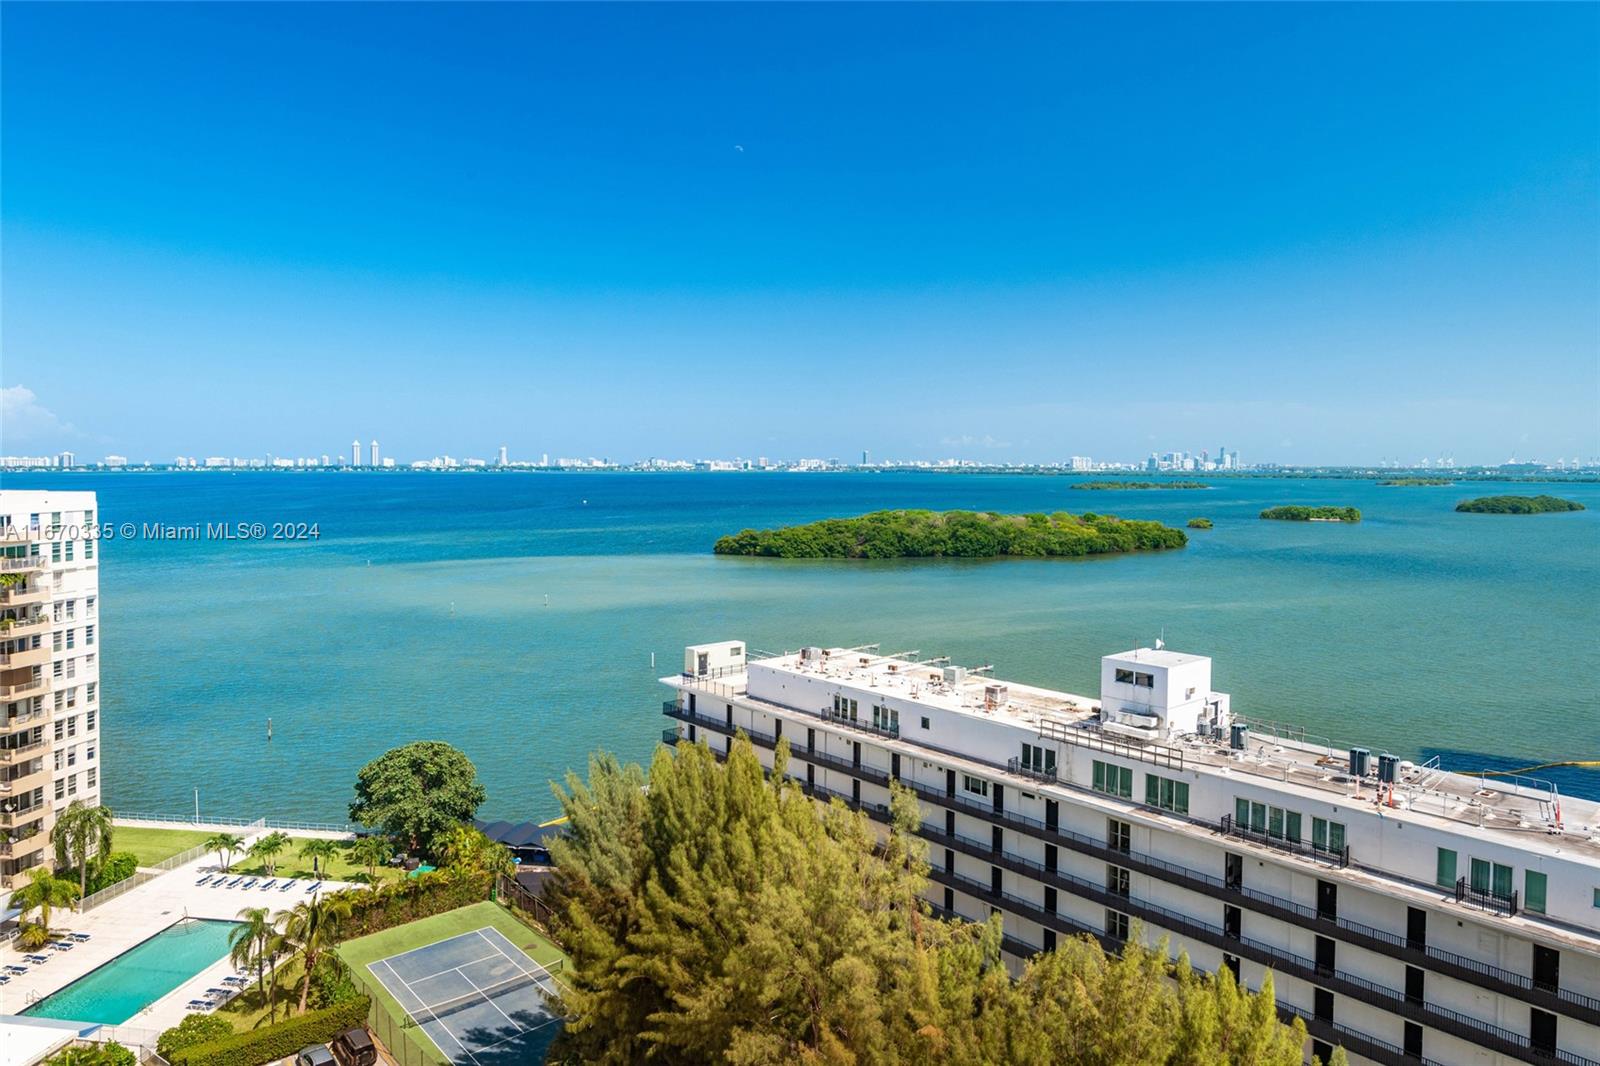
{"points": [[273, 1042], [331, 983], [1199, 523], [373, 910], [118, 866], [194, 1029], [111, 1054]]}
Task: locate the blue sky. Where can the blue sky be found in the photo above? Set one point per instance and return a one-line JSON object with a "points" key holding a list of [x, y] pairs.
{"points": [[1313, 233]]}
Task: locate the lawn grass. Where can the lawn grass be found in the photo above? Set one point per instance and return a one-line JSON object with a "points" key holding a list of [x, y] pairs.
{"points": [[153, 845], [248, 1010], [361, 952], [290, 864]]}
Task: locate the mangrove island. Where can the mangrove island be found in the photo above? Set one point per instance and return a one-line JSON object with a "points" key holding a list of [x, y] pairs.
{"points": [[1298, 513], [1410, 481], [954, 534], [1518, 505], [1199, 523], [1141, 485]]}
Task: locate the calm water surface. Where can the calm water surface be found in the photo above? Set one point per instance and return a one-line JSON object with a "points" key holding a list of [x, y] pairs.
{"points": [[515, 616]]}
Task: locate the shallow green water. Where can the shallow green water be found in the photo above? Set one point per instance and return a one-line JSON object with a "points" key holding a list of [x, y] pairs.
{"points": [[422, 612]]}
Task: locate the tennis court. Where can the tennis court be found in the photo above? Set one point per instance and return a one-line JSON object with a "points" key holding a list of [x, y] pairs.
{"points": [[476, 996]]}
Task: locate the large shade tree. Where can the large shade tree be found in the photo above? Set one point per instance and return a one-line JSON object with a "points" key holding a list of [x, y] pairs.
{"points": [[723, 916], [417, 793]]}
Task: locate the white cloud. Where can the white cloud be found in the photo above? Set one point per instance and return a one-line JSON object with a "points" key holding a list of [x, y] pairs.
{"points": [[966, 440], [25, 423]]}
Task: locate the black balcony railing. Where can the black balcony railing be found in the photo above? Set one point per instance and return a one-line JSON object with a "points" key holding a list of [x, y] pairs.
{"points": [[1337, 857], [1486, 900], [1394, 945], [1022, 769]]}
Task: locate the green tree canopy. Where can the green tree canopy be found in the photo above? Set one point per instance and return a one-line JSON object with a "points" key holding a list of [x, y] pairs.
{"points": [[722, 916], [417, 793]]}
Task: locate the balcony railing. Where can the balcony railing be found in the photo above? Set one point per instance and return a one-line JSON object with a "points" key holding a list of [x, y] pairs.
{"points": [[24, 688], [844, 719], [669, 736], [1339, 857], [1392, 944], [24, 751], [15, 563], [1018, 767], [1486, 900]]}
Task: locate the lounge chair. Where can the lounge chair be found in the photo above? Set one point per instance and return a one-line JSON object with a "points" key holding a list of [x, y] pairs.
{"points": [[220, 881], [37, 960], [4, 980], [250, 882], [18, 970], [236, 982], [287, 885], [268, 884], [204, 880], [61, 945], [236, 882], [80, 938], [199, 1004], [313, 886]]}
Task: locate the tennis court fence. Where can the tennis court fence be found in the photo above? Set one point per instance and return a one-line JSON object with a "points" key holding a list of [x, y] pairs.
{"points": [[405, 1045]]}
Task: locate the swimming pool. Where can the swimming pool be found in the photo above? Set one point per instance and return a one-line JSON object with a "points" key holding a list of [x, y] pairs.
{"points": [[116, 991]]}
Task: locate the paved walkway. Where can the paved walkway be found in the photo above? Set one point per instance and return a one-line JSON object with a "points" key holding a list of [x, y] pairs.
{"points": [[134, 917]]}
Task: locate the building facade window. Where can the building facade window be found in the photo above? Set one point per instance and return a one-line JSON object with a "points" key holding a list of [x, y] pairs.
{"points": [[1166, 793], [1116, 925], [844, 708], [1533, 891], [1326, 835], [1039, 759], [1445, 868], [1113, 780], [975, 785], [885, 718]]}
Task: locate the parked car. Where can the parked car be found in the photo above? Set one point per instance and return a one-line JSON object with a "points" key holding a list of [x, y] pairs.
{"points": [[354, 1047], [315, 1055]]}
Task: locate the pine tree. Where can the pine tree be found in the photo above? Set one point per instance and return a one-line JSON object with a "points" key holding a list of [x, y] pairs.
{"points": [[721, 915]]}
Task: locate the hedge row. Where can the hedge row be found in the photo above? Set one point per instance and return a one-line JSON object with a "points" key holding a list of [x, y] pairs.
{"points": [[373, 910], [274, 1042]]}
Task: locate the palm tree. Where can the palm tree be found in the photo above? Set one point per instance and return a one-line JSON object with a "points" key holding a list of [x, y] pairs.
{"points": [[309, 927], [82, 834], [319, 850], [44, 891], [224, 844], [254, 943], [268, 848], [468, 849], [370, 851]]}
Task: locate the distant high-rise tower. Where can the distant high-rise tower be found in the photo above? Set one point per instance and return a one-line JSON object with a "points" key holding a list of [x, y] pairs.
{"points": [[865, 456], [504, 458], [374, 453]]}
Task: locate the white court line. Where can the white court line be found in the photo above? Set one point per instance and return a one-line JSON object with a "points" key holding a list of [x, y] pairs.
{"points": [[520, 959], [440, 973], [518, 1036], [450, 1033], [489, 1001]]}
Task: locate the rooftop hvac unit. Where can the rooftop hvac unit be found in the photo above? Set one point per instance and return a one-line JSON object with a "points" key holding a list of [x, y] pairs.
{"points": [[995, 695], [810, 655], [1387, 765], [1238, 736], [1360, 762], [955, 675]]}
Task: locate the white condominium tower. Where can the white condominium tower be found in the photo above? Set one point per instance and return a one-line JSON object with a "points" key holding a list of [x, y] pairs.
{"points": [[1409, 914], [49, 670]]}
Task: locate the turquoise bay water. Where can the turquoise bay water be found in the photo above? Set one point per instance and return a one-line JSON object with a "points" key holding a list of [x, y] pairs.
{"points": [[132, 981], [515, 616]]}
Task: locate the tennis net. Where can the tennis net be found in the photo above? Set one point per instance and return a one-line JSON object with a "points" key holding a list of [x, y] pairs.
{"points": [[457, 1004]]}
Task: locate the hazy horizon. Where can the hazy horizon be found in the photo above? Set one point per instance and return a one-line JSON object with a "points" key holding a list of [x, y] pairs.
{"points": [[1317, 234]]}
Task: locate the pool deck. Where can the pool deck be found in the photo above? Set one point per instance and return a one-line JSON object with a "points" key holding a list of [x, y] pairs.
{"points": [[130, 919]]}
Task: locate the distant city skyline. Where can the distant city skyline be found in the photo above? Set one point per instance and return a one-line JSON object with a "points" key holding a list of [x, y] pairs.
{"points": [[1008, 234]]}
